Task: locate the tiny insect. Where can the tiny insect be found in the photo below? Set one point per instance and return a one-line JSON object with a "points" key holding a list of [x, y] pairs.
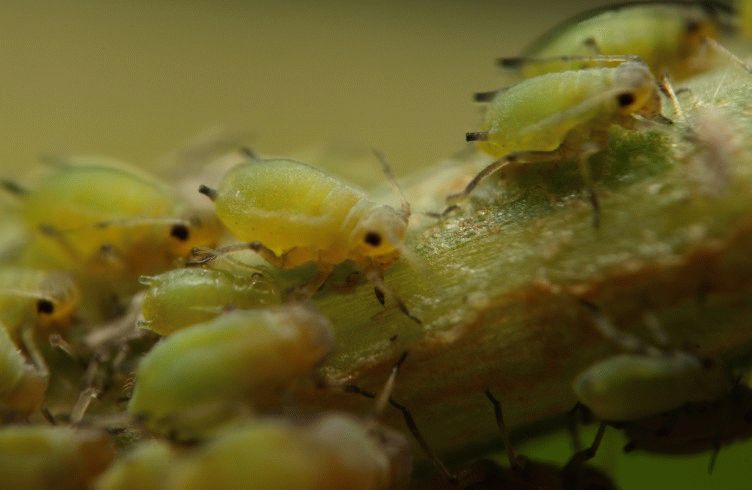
{"points": [[36, 297], [334, 451], [243, 360], [108, 222], [292, 213], [646, 380], [182, 297], [33, 457], [22, 386], [563, 115], [147, 465], [671, 37]]}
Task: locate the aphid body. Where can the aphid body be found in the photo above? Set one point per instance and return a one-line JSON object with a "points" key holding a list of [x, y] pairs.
{"points": [[243, 359], [36, 297], [22, 387], [33, 457], [182, 297], [335, 451], [666, 35], [302, 214], [147, 466], [108, 221], [542, 113]]}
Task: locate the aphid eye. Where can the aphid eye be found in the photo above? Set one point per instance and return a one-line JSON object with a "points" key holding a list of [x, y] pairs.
{"points": [[692, 26], [372, 238], [180, 232], [45, 306], [625, 99]]}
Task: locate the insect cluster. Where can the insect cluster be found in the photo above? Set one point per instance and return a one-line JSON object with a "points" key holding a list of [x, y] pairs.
{"points": [[190, 340]]}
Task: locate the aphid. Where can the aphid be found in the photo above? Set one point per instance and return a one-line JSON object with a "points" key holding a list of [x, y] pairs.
{"points": [[242, 360], [645, 381], [669, 36], [334, 451], [563, 115], [33, 457], [145, 466], [108, 222], [291, 214], [22, 386], [183, 297], [36, 297]]}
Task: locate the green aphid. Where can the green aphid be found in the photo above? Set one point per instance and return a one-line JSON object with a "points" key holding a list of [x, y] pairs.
{"points": [[243, 360], [145, 466], [183, 297]]}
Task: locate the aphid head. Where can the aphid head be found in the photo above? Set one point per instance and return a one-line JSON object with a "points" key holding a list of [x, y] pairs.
{"points": [[635, 89], [380, 232], [58, 300], [698, 25], [198, 231]]}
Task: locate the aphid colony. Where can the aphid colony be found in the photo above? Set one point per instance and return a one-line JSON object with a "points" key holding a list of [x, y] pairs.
{"points": [[207, 401]]}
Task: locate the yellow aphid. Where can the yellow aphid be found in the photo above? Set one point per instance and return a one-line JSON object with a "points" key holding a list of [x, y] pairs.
{"points": [[108, 222], [36, 297], [146, 466], [244, 359], [292, 213], [668, 36], [22, 387], [183, 297], [336, 451], [35, 457], [563, 115]]}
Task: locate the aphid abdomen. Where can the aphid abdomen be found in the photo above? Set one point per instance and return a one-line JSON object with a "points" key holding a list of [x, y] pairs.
{"points": [[513, 114], [284, 204]]}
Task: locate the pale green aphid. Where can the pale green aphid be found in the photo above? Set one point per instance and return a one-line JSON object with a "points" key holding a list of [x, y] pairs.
{"points": [[34, 457], [336, 451], [183, 297], [669, 36], [563, 115], [631, 386], [36, 297], [292, 213], [145, 466], [22, 386], [108, 222], [242, 360]]}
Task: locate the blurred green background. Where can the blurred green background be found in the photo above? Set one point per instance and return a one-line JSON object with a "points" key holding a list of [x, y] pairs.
{"points": [[135, 80]]}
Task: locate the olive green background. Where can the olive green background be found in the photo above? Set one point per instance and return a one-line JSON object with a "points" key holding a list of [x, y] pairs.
{"points": [[135, 80]]}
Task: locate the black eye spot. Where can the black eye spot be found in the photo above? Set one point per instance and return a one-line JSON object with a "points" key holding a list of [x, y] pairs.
{"points": [[372, 238], [45, 307], [625, 99], [692, 26], [180, 232]]}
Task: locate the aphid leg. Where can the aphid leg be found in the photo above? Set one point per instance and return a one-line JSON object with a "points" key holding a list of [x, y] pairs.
{"points": [[713, 458], [201, 255], [516, 62], [386, 392], [516, 461], [573, 470], [574, 427], [583, 161], [418, 436], [512, 158], [718, 47], [487, 96], [387, 169], [306, 291], [89, 392], [27, 337], [13, 187], [668, 89], [376, 277]]}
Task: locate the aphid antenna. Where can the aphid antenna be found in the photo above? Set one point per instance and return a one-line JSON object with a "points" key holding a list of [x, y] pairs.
{"points": [[386, 391], [476, 136], [250, 153], [208, 191], [27, 337], [386, 167], [13, 187], [608, 330], [668, 89], [515, 460], [604, 59], [487, 96], [720, 48]]}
